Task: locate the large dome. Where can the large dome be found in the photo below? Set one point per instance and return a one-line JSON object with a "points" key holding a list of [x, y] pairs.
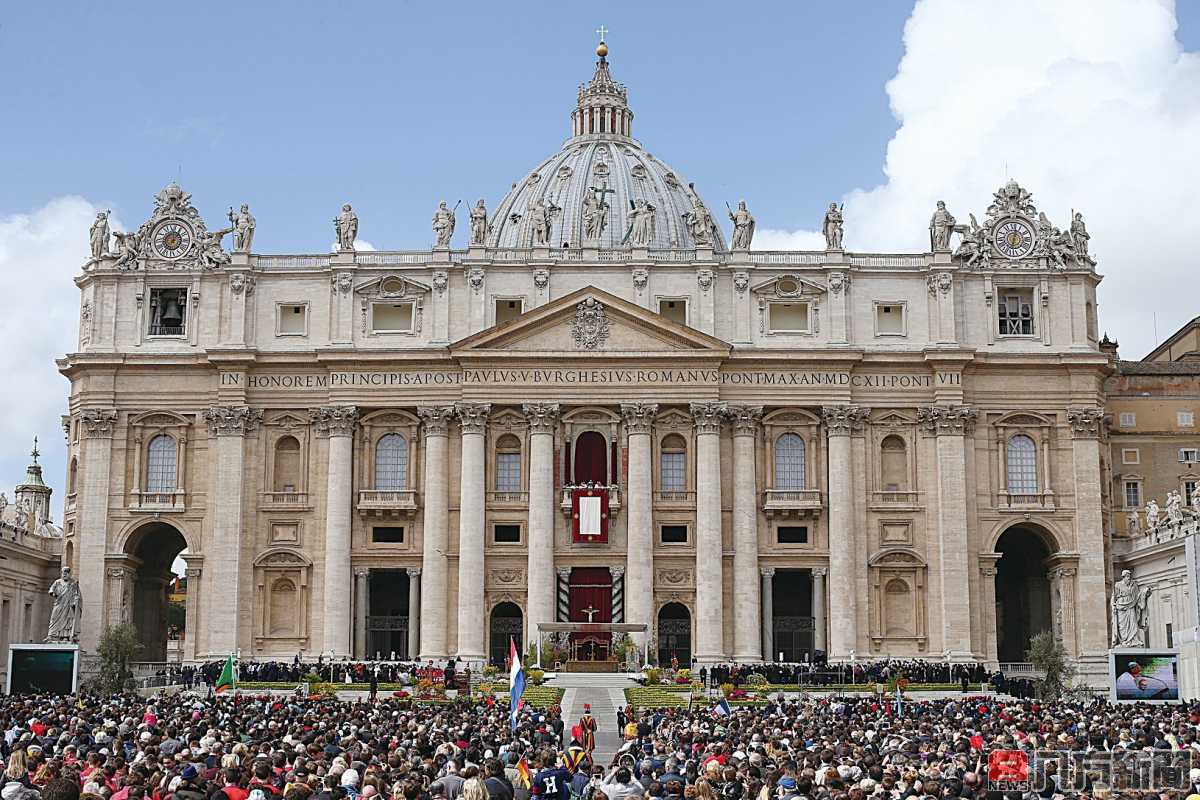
{"points": [[601, 161]]}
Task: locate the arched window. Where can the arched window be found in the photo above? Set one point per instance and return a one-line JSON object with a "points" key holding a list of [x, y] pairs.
{"points": [[508, 463], [1022, 465], [893, 464], [391, 462], [287, 464], [673, 464], [789, 462], [160, 464]]}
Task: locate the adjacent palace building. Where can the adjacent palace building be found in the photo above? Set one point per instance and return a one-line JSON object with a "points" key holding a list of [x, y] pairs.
{"points": [[599, 407]]}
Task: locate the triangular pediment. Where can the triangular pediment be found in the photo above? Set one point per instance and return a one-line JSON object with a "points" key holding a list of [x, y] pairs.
{"points": [[591, 321]]}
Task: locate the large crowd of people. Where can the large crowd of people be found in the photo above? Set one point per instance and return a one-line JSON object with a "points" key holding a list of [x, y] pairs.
{"points": [[186, 746]]}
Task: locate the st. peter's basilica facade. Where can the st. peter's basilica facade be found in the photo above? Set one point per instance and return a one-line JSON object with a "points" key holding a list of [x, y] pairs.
{"points": [[603, 409]]}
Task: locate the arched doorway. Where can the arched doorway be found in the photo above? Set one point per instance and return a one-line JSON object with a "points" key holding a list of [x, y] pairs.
{"points": [[150, 596], [674, 635], [591, 459], [1022, 591], [507, 623]]}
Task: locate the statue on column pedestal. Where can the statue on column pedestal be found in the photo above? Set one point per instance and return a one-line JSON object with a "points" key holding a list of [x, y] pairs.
{"points": [[1129, 620], [68, 606]]}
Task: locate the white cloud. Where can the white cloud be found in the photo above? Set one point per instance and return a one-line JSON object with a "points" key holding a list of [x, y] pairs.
{"points": [[360, 245], [40, 253], [771, 239], [1089, 104]]}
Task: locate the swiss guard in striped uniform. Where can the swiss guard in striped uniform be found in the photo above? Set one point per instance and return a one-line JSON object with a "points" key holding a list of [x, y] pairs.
{"points": [[587, 723]]}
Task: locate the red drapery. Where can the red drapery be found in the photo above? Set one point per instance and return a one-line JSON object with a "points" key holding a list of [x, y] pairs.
{"points": [[590, 461], [590, 588]]}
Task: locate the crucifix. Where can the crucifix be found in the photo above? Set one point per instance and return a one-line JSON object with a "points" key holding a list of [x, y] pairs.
{"points": [[602, 31], [600, 192], [590, 611]]}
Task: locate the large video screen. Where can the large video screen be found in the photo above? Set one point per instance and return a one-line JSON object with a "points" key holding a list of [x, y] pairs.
{"points": [[32, 671], [1141, 676]]}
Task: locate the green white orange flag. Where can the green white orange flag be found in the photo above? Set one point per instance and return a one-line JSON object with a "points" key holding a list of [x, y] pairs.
{"points": [[227, 680]]}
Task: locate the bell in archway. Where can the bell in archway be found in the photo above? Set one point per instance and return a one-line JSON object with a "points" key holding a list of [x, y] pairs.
{"points": [[172, 315]]}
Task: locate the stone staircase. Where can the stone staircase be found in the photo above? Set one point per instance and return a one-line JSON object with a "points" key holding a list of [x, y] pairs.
{"points": [[605, 693]]}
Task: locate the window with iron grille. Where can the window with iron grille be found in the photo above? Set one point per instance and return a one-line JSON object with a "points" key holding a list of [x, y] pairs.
{"points": [[789, 462], [1016, 313], [674, 471], [160, 464], [1022, 465], [508, 472], [391, 463]]}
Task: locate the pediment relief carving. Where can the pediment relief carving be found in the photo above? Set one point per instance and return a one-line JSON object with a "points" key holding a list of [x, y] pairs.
{"points": [[392, 287], [896, 558], [1024, 418], [282, 558], [160, 419], [287, 421], [788, 286]]}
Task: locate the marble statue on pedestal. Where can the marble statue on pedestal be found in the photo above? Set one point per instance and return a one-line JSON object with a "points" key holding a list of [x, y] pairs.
{"points": [[699, 223], [209, 251], [128, 248], [479, 223], [98, 235], [68, 606], [243, 224], [642, 224], [346, 226], [743, 227], [540, 220], [1174, 507], [1079, 236], [1151, 515], [941, 225], [1133, 523], [831, 224], [1129, 619], [443, 224]]}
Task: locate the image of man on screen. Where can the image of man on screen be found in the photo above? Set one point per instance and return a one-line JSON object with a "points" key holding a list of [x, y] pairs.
{"points": [[1135, 684]]}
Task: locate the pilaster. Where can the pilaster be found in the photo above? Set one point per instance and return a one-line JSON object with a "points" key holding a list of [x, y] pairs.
{"points": [[639, 555], [747, 644], [542, 419], [767, 622], [710, 568], [472, 419], [841, 422], [1092, 618], [337, 423], [435, 422], [92, 519]]}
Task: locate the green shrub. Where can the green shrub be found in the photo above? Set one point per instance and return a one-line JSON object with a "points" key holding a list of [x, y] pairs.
{"points": [[653, 676]]}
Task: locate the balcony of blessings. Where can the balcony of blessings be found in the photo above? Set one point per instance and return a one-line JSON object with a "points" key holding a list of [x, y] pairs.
{"points": [[569, 376]]}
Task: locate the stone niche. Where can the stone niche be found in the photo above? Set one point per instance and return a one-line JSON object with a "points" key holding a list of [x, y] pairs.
{"points": [[281, 586], [897, 580]]}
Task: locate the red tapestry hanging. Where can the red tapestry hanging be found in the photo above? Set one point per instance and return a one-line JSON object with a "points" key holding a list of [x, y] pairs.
{"points": [[589, 515]]}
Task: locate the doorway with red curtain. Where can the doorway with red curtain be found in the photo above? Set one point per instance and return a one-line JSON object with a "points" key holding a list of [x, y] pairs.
{"points": [[591, 459], [590, 591]]}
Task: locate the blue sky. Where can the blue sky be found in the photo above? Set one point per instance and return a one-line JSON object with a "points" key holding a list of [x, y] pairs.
{"points": [[298, 107]]}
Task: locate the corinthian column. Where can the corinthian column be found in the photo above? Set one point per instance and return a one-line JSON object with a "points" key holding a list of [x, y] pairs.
{"points": [[710, 572], [471, 616], [337, 424], [639, 563], [229, 426], [950, 424], [747, 610], [1091, 617], [92, 521], [434, 569], [543, 421], [840, 423]]}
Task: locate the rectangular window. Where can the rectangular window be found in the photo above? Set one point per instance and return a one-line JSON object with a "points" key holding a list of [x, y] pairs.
{"points": [[387, 534], [506, 533], [1186, 419], [674, 472], [1131, 455], [1188, 455], [508, 310], [508, 472], [792, 534], [1016, 312], [168, 312], [392, 318], [1133, 494], [674, 310], [789, 317], [1128, 419], [889, 319], [293, 320], [1189, 489], [674, 534]]}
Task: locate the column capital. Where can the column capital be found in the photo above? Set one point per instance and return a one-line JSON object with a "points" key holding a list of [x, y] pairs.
{"points": [[820, 572], [541, 417], [473, 417], [232, 420], [193, 573], [639, 417], [707, 417], [564, 572], [362, 572], [334, 420], [947, 420], [843, 420], [413, 572], [616, 572], [744, 419], [98, 422], [1085, 422], [767, 572], [435, 419]]}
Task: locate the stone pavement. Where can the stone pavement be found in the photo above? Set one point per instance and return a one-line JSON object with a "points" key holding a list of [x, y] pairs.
{"points": [[605, 694]]}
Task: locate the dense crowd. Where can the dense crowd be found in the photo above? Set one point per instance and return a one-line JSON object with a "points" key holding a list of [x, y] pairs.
{"points": [[185, 747], [854, 672], [190, 676]]}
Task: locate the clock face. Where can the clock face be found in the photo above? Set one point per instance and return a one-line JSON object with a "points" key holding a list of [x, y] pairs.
{"points": [[1013, 238], [172, 239]]}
